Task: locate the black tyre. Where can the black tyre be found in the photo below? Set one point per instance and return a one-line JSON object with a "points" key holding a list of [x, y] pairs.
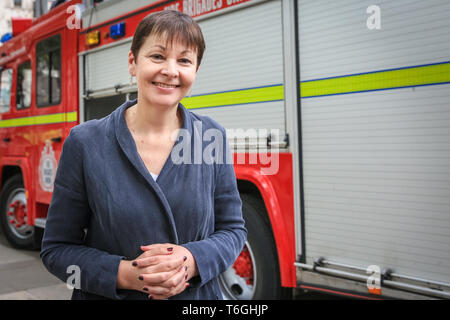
{"points": [[13, 214], [255, 275]]}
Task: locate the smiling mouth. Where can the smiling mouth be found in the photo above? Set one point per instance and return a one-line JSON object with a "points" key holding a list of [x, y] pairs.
{"points": [[164, 85]]}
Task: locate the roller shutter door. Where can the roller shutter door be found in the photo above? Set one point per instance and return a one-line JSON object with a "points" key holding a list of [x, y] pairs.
{"points": [[376, 135]]}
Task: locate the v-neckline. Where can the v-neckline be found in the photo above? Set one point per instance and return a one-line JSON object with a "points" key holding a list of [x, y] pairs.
{"points": [[128, 136]]}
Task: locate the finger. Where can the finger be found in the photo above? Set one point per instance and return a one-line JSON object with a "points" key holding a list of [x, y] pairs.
{"points": [[158, 246], [154, 253], [166, 266], [158, 292], [144, 262], [144, 259], [181, 286], [166, 296], [151, 246], [158, 263], [176, 279], [147, 261], [159, 278]]}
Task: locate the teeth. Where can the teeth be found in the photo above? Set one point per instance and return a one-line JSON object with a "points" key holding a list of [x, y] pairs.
{"points": [[163, 85]]}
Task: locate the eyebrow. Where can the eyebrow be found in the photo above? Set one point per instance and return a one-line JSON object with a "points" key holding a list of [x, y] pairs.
{"points": [[164, 49]]}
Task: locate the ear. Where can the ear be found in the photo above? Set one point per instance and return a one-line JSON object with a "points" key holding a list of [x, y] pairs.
{"points": [[131, 64]]}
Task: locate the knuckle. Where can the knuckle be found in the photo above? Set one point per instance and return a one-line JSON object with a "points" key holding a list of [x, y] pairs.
{"points": [[163, 278]]}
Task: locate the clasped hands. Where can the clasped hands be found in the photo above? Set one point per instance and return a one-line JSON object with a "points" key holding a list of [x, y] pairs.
{"points": [[161, 271]]}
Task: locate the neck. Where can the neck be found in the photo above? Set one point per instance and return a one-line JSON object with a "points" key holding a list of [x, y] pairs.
{"points": [[148, 120]]}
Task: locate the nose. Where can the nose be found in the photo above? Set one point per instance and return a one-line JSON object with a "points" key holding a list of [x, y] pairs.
{"points": [[170, 69]]}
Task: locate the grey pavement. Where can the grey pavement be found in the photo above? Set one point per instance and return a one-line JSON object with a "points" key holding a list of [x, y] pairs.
{"points": [[24, 277]]}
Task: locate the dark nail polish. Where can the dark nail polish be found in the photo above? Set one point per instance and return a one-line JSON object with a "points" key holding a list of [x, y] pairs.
{"points": [[185, 277], [145, 289], [141, 278], [185, 268], [184, 258], [170, 249], [134, 264]]}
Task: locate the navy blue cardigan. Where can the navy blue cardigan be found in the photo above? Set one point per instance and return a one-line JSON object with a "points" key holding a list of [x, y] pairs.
{"points": [[105, 205]]}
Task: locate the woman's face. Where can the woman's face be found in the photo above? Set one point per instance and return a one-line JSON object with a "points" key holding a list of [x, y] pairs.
{"points": [[164, 75]]}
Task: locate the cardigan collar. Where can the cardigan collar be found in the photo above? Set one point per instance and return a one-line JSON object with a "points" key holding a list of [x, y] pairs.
{"points": [[128, 145]]}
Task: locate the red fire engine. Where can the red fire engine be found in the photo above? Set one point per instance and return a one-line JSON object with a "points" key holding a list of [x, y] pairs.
{"points": [[326, 211]]}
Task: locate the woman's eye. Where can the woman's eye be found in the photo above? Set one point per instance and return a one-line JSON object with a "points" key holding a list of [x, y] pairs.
{"points": [[187, 61], [156, 56]]}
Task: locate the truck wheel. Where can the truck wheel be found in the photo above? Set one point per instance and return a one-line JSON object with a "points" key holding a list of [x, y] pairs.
{"points": [[13, 211], [255, 275]]}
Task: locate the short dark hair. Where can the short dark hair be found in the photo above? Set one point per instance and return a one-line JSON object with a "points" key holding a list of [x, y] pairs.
{"points": [[172, 25]]}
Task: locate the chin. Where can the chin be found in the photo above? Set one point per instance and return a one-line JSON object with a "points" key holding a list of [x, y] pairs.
{"points": [[163, 103]]}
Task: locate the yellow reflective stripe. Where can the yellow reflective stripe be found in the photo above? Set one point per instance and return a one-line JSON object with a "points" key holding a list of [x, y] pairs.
{"points": [[253, 95], [71, 116], [379, 80], [39, 120], [430, 74]]}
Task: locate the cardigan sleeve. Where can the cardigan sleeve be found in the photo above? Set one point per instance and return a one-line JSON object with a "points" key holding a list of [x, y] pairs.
{"points": [[215, 254], [63, 248]]}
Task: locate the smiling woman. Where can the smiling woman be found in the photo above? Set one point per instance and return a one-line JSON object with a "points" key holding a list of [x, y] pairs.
{"points": [[164, 75], [135, 222]]}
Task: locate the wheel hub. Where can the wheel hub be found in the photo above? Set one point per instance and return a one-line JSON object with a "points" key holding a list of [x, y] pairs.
{"points": [[17, 210], [244, 267], [238, 282], [17, 214]]}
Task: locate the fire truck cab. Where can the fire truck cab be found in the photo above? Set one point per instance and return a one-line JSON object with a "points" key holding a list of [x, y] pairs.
{"points": [[38, 106]]}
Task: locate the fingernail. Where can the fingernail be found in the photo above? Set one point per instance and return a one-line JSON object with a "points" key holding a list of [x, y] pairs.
{"points": [[185, 277], [170, 249], [141, 278], [185, 268], [145, 289], [184, 258], [134, 264]]}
